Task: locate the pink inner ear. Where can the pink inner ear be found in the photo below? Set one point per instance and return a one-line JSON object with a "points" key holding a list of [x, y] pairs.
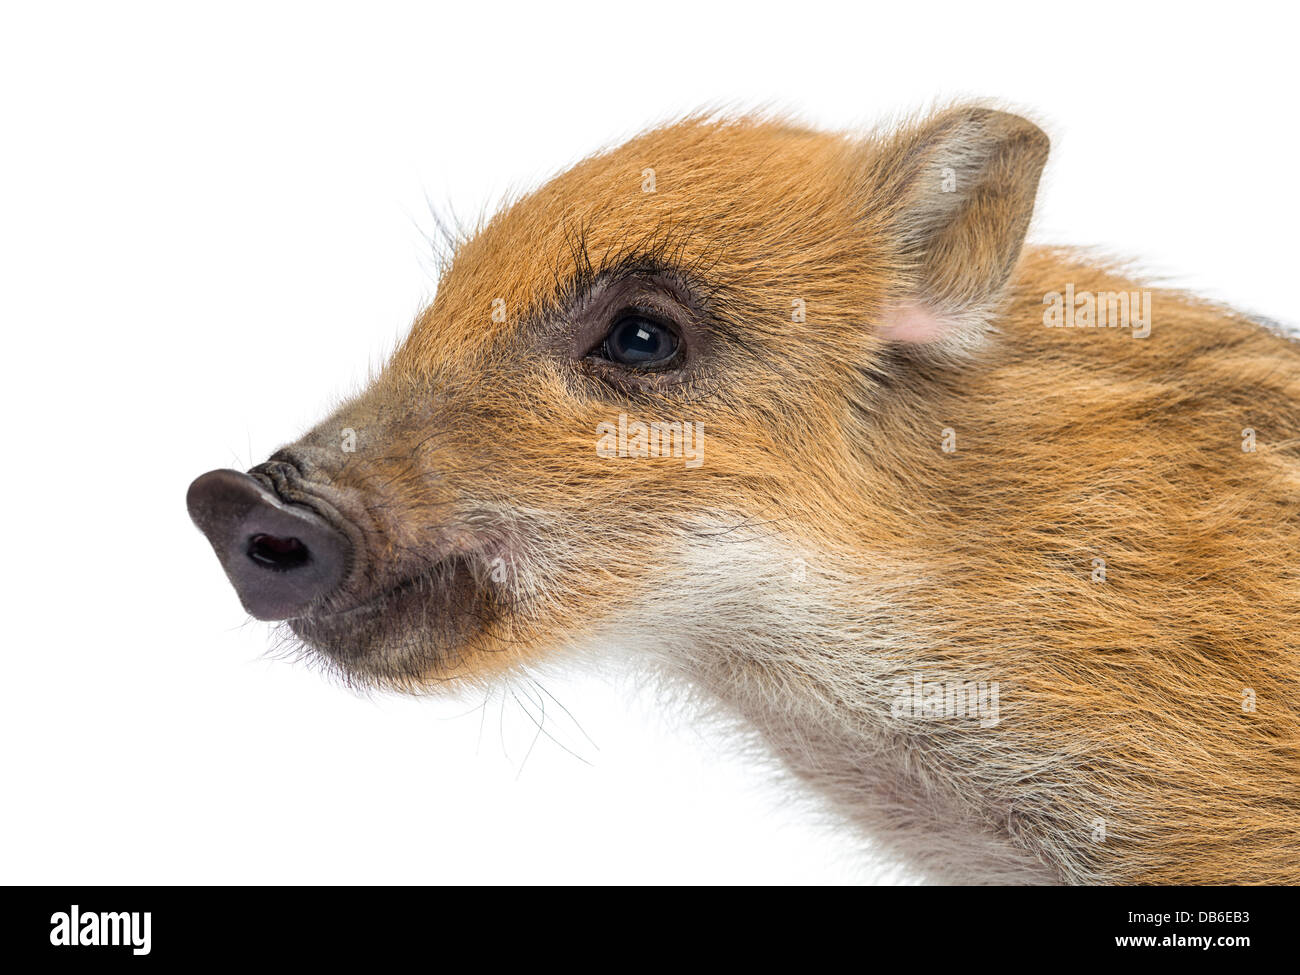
{"points": [[914, 323]]}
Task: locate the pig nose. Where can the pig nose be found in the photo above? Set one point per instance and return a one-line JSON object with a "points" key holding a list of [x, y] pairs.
{"points": [[280, 557]]}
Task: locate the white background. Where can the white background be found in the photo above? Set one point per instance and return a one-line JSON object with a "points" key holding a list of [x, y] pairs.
{"points": [[211, 224]]}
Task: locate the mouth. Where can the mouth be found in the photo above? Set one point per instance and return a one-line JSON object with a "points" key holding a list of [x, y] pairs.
{"points": [[423, 584], [419, 627]]}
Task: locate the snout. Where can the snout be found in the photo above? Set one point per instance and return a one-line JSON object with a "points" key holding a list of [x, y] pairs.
{"points": [[280, 556]]}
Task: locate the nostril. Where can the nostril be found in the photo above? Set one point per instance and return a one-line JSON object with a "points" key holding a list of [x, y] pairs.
{"points": [[280, 554]]}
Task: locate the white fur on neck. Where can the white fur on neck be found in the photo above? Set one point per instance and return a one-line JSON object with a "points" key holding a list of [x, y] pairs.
{"points": [[799, 650]]}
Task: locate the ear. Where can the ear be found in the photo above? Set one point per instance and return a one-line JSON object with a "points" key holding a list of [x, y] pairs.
{"points": [[954, 195]]}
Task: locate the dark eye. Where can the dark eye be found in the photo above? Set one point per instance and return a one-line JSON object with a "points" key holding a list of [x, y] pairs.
{"points": [[636, 339]]}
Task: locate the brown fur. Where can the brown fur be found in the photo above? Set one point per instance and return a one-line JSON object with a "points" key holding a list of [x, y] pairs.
{"points": [[477, 487]]}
